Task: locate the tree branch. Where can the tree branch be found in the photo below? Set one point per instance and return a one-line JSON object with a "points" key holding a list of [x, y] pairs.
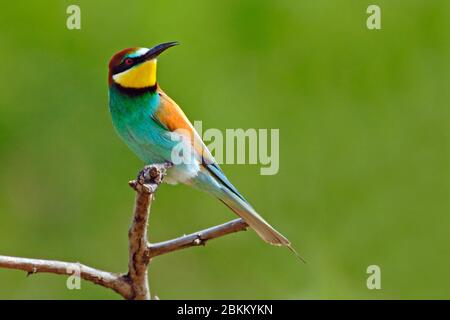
{"points": [[133, 285], [197, 238], [145, 185], [109, 280]]}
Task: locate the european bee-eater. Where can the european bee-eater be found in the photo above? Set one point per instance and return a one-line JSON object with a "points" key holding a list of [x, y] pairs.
{"points": [[147, 119]]}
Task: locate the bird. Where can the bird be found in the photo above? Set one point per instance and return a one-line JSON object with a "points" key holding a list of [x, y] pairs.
{"points": [[152, 125]]}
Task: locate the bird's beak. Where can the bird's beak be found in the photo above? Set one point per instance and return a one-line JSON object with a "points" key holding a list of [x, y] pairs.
{"points": [[157, 50]]}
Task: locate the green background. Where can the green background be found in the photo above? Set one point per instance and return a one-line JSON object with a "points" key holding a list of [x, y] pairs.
{"points": [[364, 144]]}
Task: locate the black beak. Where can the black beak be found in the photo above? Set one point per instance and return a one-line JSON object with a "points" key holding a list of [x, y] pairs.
{"points": [[157, 50]]}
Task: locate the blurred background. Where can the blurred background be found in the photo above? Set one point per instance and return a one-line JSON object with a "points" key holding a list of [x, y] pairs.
{"points": [[364, 145]]}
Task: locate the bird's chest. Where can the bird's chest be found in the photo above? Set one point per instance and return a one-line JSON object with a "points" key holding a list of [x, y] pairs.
{"points": [[134, 121], [132, 118]]}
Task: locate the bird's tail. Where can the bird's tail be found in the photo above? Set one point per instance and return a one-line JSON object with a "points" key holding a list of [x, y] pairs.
{"points": [[244, 210], [215, 182]]}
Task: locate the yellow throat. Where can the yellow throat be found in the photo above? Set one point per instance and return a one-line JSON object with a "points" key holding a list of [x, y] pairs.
{"points": [[141, 76]]}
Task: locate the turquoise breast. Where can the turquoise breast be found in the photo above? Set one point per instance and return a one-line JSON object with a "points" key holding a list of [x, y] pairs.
{"points": [[132, 117]]}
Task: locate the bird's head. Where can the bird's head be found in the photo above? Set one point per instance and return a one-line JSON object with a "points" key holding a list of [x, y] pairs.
{"points": [[135, 68]]}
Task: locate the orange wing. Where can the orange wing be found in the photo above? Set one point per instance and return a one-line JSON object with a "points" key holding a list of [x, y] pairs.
{"points": [[170, 115]]}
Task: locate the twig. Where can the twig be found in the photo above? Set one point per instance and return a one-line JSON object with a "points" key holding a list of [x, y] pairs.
{"points": [[197, 238], [106, 279], [134, 284]]}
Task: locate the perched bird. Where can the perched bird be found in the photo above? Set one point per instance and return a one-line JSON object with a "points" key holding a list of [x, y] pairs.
{"points": [[152, 125]]}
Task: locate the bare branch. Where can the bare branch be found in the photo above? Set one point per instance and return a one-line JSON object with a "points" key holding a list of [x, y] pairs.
{"points": [[133, 285], [106, 279], [196, 238], [145, 185]]}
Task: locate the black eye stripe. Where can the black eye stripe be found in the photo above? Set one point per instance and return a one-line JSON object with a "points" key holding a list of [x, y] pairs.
{"points": [[123, 66]]}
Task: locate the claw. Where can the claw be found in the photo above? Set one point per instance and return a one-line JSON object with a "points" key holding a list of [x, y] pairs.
{"points": [[150, 177]]}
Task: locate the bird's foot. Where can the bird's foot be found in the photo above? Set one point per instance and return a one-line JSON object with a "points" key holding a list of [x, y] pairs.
{"points": [[150, 177]]}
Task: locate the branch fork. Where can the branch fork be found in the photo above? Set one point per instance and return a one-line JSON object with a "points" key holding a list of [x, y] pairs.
{"points": [[134, 284]]}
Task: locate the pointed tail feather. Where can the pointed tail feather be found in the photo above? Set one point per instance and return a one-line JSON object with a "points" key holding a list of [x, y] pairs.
{"points": [[244, 210], [213, 181], [254, 220]]}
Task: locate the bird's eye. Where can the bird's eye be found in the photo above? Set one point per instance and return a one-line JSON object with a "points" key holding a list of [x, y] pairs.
{"points": [[128, 61]]}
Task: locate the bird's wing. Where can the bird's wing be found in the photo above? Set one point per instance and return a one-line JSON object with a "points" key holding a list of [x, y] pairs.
{"points": [[170, 115]]}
